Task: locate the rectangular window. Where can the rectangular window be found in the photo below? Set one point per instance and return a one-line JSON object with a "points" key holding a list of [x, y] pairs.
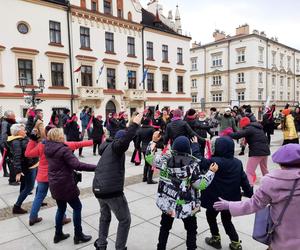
{"points": [[150, 50], [281, 81], [240, 55], [298, 65], [57, 74], [217, 97], [274, 58], [180, 84], [131, 79], [281, 96], [130, 46], [94, 5], [111, 78], [86, 76], [241, 96], [179, 56], [84, 37], [288, 96], [165, 83], [194, 98], [150, 81], [109, 42], [274, 80], [194, 63], [194, 83], [260, 77], [241, 77], [289, 82], [273, 95], [260, 94], [288, 62], [55, 33], [217, 60], [260, 54], [281, 60], [25, 70], [120, 13], [107, 7], [217, 80], [297, 95], [165, 56]]}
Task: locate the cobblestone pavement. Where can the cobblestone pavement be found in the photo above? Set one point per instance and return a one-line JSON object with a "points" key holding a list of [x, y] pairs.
{"points": [[17, 234]]}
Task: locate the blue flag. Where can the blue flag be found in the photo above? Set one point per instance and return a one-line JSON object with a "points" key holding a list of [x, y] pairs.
{"points": [[144, 76]]}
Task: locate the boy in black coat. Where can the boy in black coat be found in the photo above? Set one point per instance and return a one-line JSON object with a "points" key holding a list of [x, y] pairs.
{"points": [[97, 132], [227, 185]]}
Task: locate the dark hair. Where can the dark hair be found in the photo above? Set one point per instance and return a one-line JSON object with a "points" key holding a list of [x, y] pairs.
{"points": [[213, 109]]}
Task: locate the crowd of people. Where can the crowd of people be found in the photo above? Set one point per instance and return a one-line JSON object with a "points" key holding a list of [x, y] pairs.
{"points": [[194, 153]]}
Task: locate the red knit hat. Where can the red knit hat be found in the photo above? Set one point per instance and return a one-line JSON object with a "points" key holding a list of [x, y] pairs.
{"points": [[286, 112], [245, 121]]}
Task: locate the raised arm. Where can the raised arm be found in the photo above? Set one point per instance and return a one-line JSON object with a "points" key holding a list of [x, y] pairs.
{"points": [[32, 149]]}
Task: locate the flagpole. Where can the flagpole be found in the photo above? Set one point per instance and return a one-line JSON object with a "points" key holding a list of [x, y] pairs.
{"points": [[143, 62]]}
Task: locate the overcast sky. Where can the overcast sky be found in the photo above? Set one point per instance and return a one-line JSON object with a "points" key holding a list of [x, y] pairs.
{"points": [[277, 18]]}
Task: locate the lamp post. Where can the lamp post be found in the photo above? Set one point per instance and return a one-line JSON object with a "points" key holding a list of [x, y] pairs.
{"points": [[31, 94]]}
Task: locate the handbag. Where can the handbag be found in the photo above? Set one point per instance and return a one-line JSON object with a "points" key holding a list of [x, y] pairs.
{"points": [[264, 226]]}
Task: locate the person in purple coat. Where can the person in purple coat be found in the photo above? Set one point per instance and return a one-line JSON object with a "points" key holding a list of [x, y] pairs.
{"points": [[63, 185], [275, 189]]}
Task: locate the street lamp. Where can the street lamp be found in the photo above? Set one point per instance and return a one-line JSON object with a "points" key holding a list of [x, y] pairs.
{"points": [[30, 98]]}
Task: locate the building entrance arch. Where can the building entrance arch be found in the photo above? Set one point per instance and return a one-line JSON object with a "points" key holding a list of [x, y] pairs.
{"points": [[110, 108]]}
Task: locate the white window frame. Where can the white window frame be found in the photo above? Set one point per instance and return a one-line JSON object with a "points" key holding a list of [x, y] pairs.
{"points": [[260, 77], [281, 95], [217, 97], [241, 55], [298, 65], [281, 81], [281, 60], [194, 83], [260, 94], [273, 95], [216, 80], [241, 77], [274, 58], [217, 60], [288, 96], [261, 54], [274, 80], [194, 98], [194, 63], [241, 95]]}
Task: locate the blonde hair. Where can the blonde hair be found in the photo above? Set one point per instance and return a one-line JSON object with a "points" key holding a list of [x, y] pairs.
{"points": [[56, 134]]}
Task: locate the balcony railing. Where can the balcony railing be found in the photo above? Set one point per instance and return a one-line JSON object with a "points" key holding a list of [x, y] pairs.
{"points": [[90, 93], [135, 95]]}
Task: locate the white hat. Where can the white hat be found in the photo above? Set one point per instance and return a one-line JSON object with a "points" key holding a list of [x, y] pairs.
{"points": [[227, 110]]}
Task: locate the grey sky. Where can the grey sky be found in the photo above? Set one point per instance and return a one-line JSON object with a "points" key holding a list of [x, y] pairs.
{"points": [[277, 18]]}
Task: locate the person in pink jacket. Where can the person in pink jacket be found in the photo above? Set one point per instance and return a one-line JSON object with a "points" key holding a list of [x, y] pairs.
{"points": [[35, 149], [275, 189]]}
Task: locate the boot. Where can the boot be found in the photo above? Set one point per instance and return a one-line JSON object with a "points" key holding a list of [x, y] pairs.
{"points": [[81, 238], [150, 175], [145, 173], [99, 248], [60, 237], [34, 221], [235, 245], [18, 210], [214, 241]]}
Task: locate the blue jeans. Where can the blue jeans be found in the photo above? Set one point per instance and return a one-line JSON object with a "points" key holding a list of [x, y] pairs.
{"points": [[41, 193], [27, 184], [60, 213]]}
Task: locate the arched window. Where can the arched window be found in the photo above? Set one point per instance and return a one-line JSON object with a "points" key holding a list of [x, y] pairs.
{"points": [[110, 108], [129, 16]]}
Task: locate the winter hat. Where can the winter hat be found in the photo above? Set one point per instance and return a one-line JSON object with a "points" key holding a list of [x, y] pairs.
{"points": [[227, 110], [120, 134], [245, 121], [177, 113], [182, 145], [191, 112], [288, 155], [286, 112]]}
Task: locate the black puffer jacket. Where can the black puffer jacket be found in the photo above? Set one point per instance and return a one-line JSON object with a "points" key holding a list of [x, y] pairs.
{"points": [[122, 123], [229, 178], [72, 131], [113, 127], [5, 131], [97, 130], [144, 136], [200, 127], [110, 172], [177, 128], [255, 137]]}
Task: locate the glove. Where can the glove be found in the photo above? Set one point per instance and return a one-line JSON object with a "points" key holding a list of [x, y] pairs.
{"points": [[221, 205]]}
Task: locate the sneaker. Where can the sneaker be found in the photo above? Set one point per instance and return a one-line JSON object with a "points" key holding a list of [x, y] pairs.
{"points": [[241, 153], [36, 220], [214, 241], [235, 245], [60, 237], [18, 210]]}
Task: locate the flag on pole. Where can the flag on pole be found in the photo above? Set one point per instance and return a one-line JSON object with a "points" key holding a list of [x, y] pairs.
{"points": [[129, 74], [144, 76], [78, 69], [100, 72]]}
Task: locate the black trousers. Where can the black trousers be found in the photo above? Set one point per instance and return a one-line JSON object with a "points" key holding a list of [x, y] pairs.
{"points": [[4, 161], [190, 225], [96, 145], [211, 216], [148, 172]]}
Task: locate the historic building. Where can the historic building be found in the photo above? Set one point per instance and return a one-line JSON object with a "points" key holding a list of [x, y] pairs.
{"points": [[111, 55], [247, 68]]}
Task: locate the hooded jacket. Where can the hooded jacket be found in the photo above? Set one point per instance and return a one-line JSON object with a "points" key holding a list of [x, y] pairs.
{"points": [[72, 131], [144, 136], [274, 189], [255, 137], [97, 132], [229, 178], [110, 172], [202, 128], [62, 163]]}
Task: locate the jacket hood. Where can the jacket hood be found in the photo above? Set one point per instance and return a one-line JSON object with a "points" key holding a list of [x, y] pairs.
{"points": [[14, 137], [285, 174], [54, 148], [256, 125], [182, 145], [224, 147]]}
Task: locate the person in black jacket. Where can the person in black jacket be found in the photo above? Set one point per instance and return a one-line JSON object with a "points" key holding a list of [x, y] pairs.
{"points": [[108, 185], [268, 123], [144, 136], [73, 132], [97, 132], [24, 167], [178, 127], [123, 120], [65, 118], [258, 147], [227, 185], [113, 125]]}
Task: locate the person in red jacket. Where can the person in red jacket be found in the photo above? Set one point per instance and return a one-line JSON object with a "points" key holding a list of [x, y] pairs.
{"points": [[35, 149]]}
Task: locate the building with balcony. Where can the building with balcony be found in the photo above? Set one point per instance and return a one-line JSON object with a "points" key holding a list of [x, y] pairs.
{"points": [[109, 55], [247, 68]]}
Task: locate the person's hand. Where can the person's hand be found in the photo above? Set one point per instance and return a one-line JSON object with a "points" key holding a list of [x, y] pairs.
{"points": [[138, 119], [156, 136], [221, 205], [33, 135], [194, 139], [18, 177], [214, 167]]}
